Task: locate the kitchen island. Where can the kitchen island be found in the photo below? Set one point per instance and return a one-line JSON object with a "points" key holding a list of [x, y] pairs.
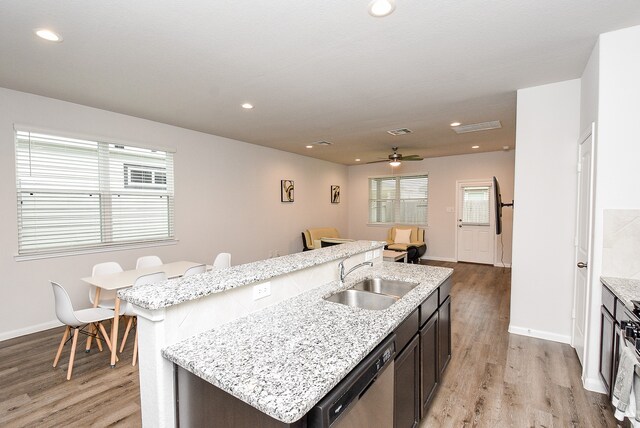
{"points": [[280, 354]]}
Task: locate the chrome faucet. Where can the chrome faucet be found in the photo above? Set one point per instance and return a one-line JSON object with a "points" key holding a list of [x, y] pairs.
{"points": [[341, 267]]}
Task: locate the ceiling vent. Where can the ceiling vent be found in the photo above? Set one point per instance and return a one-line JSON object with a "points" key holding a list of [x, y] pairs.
{"points": [[474, 127], [400, 131], [321, 143]]}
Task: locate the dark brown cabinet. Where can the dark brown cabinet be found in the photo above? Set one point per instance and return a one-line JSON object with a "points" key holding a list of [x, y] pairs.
{"points": [[428, 362], [444, 334], [607, 332], [406, 406]]}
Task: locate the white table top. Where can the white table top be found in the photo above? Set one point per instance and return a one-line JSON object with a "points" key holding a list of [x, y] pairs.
{"points": [[116, 281], [394, 255]]}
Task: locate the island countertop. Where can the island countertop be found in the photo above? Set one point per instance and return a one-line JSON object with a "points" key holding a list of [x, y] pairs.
{"points": [[283, 359]]}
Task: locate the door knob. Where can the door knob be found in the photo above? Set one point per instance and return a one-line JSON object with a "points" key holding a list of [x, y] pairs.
{"points": [[582, 265]]}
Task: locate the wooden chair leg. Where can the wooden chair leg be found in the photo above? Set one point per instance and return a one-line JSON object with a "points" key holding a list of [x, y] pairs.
{"points": [[135, 349], [64, 339], [106, 338], [126, 334], [91, 331], [73, 352]]}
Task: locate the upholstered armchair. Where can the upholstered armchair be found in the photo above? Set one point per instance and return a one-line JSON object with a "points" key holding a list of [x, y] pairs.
{"points": [[321, 237], [409, 239]]}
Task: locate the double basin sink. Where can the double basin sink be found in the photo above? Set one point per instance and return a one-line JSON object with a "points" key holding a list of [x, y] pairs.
{"points": [[373, 293]]}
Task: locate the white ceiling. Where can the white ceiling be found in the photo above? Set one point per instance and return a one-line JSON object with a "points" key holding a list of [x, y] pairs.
{"points": [[315, 70]]}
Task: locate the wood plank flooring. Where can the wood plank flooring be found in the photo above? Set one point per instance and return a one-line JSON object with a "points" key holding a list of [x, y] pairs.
{"points": [[494, 379]]}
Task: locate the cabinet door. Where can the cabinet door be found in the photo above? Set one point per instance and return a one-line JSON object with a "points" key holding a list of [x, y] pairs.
{"points": [[406, 403], [428, 362], [444, 335], [606, 347]]}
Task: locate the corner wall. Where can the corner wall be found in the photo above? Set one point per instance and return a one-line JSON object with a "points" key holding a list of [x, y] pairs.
{"points": [[548, 122], [227, 200], [440, 233]]}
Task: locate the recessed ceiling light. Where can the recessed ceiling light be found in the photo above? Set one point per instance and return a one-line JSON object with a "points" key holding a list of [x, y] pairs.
{"points": [[381, 8], [475, 147], [248, 106], [455, 124], [309, 147], [358, 160], [49, 35]]}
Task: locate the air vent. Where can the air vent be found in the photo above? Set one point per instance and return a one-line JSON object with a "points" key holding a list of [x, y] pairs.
{"points": [[400, 131], [321, 143], [474, 127]]}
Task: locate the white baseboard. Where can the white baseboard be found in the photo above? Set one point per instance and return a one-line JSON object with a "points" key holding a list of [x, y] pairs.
{"points": [[506, 265], [6, 335], [594, 385], [439, 259], [538, 334]]}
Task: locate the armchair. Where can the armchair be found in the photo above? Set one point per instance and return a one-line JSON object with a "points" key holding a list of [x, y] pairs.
{"points": [[409, 239]]}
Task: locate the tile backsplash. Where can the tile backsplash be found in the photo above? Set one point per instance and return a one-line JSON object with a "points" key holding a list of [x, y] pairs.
{"points": [[621, 244]]}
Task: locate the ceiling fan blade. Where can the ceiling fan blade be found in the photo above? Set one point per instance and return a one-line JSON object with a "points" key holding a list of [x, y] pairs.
{"points": [[412, 158], [378, 161]]}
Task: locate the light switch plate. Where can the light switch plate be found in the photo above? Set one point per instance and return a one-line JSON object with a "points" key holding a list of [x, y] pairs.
{"points": [[376, 254], [368, 256], [261, 291]]}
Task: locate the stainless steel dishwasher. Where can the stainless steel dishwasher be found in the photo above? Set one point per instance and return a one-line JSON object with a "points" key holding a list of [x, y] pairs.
{"points": [[364, 398]]}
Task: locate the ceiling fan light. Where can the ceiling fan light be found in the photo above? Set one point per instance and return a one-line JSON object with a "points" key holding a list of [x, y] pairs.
{"points": [[381, 8], [395, 163]]}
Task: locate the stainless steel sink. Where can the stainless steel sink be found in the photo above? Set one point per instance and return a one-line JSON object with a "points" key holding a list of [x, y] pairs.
{"points": [[385, 286], [363, 299]]}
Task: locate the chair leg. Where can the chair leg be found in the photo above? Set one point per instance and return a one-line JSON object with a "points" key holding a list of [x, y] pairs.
{"points": [[94, 330], [88, 346], [135, 349], [106, 337], [73, 352], [62, 342], [126, 334]]}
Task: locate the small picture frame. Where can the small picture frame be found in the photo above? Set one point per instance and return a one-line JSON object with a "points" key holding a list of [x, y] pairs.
{"points": [[286, 190], [335, 194]]}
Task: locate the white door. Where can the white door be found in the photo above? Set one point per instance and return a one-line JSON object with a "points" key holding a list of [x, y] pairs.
{"points": [[475, 221], [581, 295]]}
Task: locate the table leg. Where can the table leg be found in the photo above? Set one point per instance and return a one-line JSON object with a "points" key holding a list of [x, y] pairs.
{"points": [[96, 301], [114, 332]]}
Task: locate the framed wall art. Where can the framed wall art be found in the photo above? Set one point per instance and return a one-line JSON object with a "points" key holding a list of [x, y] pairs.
{"points": [[335, 194], [286, 190]]}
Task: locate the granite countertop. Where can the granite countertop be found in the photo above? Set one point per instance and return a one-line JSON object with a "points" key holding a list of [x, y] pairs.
{"points": [[283, 359], [625, 289], [179, 290]]}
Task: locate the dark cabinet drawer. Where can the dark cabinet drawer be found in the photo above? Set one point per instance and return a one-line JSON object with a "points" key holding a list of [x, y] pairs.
{"points": [[406, 331], [428, 307], [444, 291], [609, 300]]}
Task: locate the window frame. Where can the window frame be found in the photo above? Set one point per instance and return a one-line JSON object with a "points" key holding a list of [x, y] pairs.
{"points": [[103, 245], [397, 200]]}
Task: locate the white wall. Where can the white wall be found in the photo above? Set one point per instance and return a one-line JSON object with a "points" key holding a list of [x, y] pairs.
{"points": [[548, 128], [227, 199], [618, 155], [443, 172]]}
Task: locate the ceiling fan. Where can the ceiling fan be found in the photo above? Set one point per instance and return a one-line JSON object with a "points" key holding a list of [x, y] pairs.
{"points": [[396, 158]]}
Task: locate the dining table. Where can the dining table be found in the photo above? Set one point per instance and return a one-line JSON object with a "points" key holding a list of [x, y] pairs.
{"points": [[125, 279]]}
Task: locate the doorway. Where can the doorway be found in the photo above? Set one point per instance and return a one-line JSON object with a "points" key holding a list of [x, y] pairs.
{"points": [[475, 242], [584, 220]]}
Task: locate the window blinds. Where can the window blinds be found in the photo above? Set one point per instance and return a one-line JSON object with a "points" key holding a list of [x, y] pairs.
{"points": [[400, 199], [475, 206], [74, 193]]}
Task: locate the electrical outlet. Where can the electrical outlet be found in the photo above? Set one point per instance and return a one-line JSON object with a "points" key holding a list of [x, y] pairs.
{"points": [[368, 256], [261, 290], [376, 254]]}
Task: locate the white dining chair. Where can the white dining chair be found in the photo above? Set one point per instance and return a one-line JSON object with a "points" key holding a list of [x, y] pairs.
{"points": [[223, 260], [77, 320], [151, 278], [148, 261], [107, 297], [194, 270]]}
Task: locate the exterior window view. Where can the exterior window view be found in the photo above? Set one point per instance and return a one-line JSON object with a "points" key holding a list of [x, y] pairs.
{"points": [[345, 214]]}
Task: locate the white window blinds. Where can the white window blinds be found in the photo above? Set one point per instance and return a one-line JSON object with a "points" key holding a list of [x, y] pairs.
{"points": [[475, 206], [75, 194], [398, 199]]}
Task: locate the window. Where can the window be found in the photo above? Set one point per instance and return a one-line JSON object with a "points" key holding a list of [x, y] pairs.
{"points": [[475, 206], [76, 194], [400, 199]]}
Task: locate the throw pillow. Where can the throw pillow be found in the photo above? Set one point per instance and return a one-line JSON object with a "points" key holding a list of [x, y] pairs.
{"points": [[403, 236]]}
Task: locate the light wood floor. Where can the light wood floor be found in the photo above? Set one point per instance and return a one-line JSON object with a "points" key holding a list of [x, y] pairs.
{"points": [[494, 379]]}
